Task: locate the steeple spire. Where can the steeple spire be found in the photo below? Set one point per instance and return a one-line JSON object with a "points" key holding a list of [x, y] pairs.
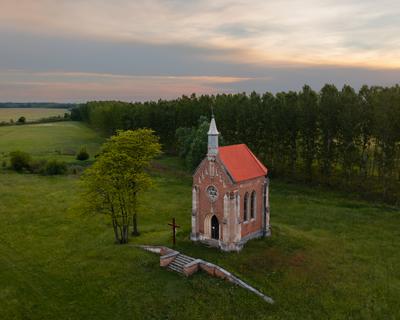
{"points": [[212, 139]]}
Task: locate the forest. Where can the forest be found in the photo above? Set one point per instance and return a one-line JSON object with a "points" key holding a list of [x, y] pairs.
{"points": [[47, 105], [344, 139]]}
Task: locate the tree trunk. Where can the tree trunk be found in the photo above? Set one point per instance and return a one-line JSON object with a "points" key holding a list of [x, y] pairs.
{"points": [[124, 233], [135, 231], [115, 227]]}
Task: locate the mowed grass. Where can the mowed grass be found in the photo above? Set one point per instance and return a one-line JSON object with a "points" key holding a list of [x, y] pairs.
{"points": [[6, 114], [329, 257], [58, 140]]}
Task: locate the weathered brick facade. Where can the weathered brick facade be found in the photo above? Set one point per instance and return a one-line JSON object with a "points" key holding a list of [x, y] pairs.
{"points": [[220, 214]]}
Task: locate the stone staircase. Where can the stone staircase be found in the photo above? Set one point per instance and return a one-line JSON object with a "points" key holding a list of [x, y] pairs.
{"points": [[179, 262], [175, 261]]}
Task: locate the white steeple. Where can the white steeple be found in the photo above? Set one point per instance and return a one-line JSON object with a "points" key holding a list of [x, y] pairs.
{"points": [[212, 139]]}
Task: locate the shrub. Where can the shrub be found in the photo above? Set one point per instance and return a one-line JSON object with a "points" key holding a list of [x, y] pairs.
{"points": [[37, 166], [54, 167], [21, 120], [20, 160], [4, 163], [76, 169], [82, 154]]}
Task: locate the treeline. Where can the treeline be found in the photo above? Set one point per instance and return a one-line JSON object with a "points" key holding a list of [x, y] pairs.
{"points": [[50, 105], [22, 120], [340, 138]]}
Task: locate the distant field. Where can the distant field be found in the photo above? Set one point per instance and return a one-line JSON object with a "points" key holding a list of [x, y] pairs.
{"points": [[59, 140], [6, 114]]}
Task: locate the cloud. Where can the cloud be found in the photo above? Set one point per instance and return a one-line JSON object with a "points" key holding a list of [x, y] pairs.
{"points": [[98, 49], [303, 32], [22, 85]]}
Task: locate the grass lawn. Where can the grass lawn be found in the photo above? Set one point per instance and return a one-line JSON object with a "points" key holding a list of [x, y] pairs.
{"points": [[30, 114], [58, 140], [329, 257]]}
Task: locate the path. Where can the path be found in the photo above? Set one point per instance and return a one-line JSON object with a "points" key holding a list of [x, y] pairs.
{"points": [[178, 262]]}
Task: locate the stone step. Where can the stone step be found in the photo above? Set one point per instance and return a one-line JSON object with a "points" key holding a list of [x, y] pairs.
{"points": [[182, 261], [175, 268], [185, 258]]}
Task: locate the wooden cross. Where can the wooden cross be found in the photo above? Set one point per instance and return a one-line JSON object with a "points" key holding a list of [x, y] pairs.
{"points": [[174, 226]]}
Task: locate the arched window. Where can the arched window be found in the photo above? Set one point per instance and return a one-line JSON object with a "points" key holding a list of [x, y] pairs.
{"points": [[246, 207], [253, 205]]}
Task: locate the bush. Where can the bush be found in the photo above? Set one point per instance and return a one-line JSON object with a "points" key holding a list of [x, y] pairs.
{"points": [[37, 166], [82, 154], [76, 169], [20, 160], [54, 167], [22, 120]]}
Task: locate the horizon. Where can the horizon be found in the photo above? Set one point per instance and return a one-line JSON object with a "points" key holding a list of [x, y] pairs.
{"points": [[73, 52]]}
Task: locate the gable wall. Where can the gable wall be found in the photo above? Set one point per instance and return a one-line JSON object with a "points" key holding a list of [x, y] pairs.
{"points": [[202, 180]]}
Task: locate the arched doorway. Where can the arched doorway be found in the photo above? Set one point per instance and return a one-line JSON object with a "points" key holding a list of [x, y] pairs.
{"points": [[214, 228]]}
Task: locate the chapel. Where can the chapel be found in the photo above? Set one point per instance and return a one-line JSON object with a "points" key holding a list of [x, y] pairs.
{"points": [[230, 196]]}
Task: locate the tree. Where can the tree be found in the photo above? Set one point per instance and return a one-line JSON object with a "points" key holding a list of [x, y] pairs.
{"points": [[198, 146], [20, 160], [366, 117], [387, 130], [192, 142], [308, 104], [21, 120], [82, 155], [329, 126], [114, 182], [349, 130]]}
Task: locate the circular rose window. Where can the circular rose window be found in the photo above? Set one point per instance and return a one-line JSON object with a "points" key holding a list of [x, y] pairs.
{"points": [[212, 193]]}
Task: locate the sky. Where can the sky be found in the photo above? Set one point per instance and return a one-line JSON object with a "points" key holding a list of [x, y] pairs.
{"points": [[80, 50]]}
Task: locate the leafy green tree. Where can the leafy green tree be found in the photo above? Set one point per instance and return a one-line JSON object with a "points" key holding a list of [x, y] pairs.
{"points": [[387, 131], [82, 155], [308, 105], [268, 139], [20, 160], [348, 130], [366, 122], [21, 120], [55, 167], [192, 142], [329, 109], [285, 116], [184, 138], [198, 145], [117, 178]]}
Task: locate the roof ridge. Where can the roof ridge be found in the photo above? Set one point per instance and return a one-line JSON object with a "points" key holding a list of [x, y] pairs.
{"points": [[255, 158], [232, 145]]}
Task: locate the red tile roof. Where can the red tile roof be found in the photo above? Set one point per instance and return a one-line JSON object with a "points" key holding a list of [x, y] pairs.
{"points": [[241, 163]]}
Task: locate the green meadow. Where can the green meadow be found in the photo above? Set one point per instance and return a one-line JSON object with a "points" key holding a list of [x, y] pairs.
{"points": [[329, 257], [58, 140], [31, 114]]}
